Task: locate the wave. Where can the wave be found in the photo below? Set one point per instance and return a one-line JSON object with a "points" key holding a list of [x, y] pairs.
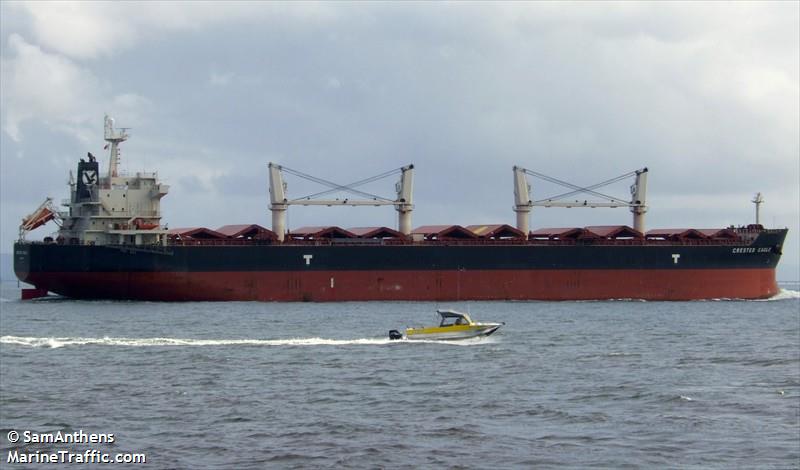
{"points": [[59, 342], [783, 294]]}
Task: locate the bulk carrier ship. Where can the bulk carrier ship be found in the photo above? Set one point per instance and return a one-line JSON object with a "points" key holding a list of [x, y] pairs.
{"points": [[113, 244]]}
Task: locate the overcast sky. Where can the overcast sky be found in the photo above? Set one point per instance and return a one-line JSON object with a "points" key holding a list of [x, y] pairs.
{"points": [[706, 95]]}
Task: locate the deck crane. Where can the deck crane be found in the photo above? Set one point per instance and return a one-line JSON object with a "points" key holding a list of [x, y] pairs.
{"points": [[523, 203], [279, 202]]}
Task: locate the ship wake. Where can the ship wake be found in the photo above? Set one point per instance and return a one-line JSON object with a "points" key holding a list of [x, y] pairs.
{"points": [[59, 342]]}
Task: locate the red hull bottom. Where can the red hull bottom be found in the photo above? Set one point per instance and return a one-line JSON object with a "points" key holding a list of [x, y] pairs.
{"points": [[28, 294], [327, 286]]}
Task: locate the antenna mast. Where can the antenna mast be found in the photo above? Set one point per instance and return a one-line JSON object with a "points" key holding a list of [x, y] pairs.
{"points": [[758, 200], [113, 137]]}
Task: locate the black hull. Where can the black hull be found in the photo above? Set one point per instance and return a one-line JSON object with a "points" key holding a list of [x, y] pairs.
{"points": [[418, 271]]}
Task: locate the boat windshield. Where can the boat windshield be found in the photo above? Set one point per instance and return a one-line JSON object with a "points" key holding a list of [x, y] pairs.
{"points": [[450, 318]]}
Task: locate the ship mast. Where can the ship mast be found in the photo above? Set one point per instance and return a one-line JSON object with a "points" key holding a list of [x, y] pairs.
{"points": [[758, 200], [114, 138]]}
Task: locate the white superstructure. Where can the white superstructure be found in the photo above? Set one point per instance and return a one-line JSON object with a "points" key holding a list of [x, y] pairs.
{"points": [[117, 208]]}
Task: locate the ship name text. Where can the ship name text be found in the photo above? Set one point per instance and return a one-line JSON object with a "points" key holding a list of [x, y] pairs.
{"points": [[741, 250]]}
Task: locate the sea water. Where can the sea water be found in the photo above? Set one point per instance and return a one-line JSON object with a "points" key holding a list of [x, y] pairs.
{"points": [[613, 384]]}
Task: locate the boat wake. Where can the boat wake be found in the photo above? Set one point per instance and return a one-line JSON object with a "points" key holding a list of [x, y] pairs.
{"points": [[59, 342]]}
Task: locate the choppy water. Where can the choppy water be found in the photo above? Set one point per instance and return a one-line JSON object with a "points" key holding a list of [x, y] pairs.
{"points": [[252, 385]]}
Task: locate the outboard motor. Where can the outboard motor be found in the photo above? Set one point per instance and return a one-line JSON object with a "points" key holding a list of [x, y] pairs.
{"points": [[394, 334]]}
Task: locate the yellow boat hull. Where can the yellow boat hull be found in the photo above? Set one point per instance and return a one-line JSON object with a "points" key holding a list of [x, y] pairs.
{"points": [[453, 332]]}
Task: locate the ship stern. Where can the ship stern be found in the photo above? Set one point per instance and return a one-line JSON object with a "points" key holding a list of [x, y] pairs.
{"points": [[22, 269], [22, 261]]}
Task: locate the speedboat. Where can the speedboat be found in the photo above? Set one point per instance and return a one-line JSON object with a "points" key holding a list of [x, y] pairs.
{"points": [[454, 325]]}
